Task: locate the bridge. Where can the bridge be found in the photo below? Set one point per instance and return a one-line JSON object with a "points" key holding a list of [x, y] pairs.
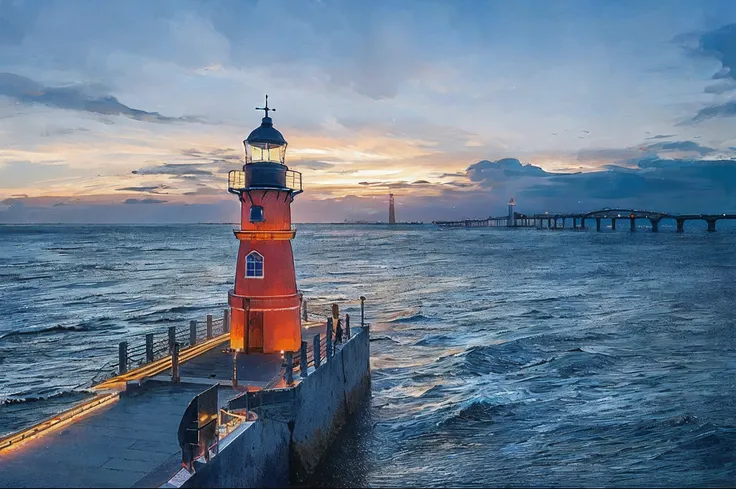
{"points": [[558, 220]]}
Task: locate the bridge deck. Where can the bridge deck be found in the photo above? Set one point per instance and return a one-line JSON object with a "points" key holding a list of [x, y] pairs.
{"points": [[132, 441]]}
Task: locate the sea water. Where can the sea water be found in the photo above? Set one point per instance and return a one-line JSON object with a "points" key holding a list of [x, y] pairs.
{"points": [[499, 357]]}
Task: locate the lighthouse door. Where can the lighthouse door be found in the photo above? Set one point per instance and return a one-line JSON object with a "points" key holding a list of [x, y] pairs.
{"points": [[255, 331]]}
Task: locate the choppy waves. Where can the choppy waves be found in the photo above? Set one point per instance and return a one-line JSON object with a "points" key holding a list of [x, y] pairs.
{"points": [[508, 359]]}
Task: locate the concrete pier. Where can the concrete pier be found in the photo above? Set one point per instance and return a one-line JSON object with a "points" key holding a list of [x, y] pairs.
{"points": [[557, 221], [131, 439]]}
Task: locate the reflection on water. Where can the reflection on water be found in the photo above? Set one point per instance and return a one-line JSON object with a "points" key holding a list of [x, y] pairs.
{"points": [[502, 358]]}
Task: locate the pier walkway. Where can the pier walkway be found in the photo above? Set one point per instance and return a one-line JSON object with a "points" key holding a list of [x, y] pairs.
{"points": [[126, 435], [557, 221], [133, 440]]}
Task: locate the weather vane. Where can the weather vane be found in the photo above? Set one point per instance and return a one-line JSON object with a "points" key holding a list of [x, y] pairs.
{"points": [[266, 109]]}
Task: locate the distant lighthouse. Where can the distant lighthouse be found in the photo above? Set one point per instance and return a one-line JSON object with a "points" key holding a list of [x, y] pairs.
{"points": [[264, 302], [391, 209], [511, 220]]}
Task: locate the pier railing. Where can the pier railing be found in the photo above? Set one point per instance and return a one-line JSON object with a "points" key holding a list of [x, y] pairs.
{"points": [[161, 344]]}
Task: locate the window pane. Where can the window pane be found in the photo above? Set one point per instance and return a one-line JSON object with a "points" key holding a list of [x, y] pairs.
{"points": [[256, 213]]}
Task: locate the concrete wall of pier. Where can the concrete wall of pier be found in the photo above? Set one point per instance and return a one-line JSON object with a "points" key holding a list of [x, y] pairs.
{"points": [[295, 426]]}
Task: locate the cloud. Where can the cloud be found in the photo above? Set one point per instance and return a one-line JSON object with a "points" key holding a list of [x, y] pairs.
{"points": [[21, 174], [662, 136], [205, 190], [79, 98], [720, 88], [488, 173], [213, 154], [173, 169], [148, 189], [684, 146], [143, 201], [312, 164], [727, 109], [720, 44]]}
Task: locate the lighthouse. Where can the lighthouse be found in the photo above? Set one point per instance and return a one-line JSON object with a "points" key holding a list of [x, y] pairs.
{"points": [[264, 301], [511, 222]]}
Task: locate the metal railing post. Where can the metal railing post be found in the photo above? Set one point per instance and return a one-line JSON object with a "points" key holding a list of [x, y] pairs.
{"points": [[122, 357], [317, 350], [149, 347], [192, 333], [175, 363], [289, 356], [347, 327], [362, 311], [304, 310], [172, 338], [303, 360], [209, 326], [329, 340], [226, 321]]}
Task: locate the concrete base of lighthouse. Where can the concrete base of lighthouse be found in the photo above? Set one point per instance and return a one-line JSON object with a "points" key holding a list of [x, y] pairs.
{"points": [[265, 324]]}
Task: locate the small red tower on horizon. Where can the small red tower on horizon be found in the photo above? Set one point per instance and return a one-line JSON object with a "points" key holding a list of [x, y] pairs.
{"points": [[264, 302]]}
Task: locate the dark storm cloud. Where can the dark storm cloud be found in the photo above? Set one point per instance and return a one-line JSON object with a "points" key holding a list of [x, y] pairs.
{"points": [[79, 98], [144, 201]]}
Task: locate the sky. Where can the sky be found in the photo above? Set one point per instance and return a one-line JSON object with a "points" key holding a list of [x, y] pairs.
{"points": [[134, 111]]}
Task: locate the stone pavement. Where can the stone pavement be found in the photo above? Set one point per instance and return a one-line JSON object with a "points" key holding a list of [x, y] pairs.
{"points": [[132, 442]]}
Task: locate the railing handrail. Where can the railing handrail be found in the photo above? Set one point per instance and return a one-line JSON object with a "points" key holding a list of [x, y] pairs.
{"points": [[236, 181]]}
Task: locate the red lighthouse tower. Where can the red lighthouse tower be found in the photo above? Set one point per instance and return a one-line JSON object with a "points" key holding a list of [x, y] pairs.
{"points": [[264, 303]]}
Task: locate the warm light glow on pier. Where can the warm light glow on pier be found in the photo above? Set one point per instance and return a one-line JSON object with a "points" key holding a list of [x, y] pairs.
{"points": [[59, 421]]}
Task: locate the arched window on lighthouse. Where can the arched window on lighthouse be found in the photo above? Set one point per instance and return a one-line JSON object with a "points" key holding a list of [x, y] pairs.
{"points": [[254, 265], [256, 214]]}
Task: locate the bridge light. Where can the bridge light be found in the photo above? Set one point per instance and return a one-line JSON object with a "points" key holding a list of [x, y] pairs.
{"points": [[619, 215]]}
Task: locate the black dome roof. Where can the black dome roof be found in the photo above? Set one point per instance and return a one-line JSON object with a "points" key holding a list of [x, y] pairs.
{"points": [[266, 133]]}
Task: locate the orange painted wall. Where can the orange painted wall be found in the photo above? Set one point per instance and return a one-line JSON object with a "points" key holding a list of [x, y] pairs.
{"points": [[275, 294]]}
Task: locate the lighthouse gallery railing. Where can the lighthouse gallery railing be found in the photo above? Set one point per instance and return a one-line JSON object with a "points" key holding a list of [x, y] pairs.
{"points": [[237, 182]]}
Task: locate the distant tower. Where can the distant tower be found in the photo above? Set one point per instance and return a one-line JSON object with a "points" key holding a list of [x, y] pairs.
{"points": [[391, 209], [511, 220]]}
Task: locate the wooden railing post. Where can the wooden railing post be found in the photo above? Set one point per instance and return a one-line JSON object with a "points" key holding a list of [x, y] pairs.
{"points": [[335, 313], [192, 333], [289, 356], [172, 338], [122, 357], [149, 347], [329, 340], [347, 327], [317, 350], [209, 326], [175, 363], [303, 360], [226, 321]]}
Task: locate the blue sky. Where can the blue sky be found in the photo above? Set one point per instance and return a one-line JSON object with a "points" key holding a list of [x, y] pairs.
{"points": [[134, 111]]}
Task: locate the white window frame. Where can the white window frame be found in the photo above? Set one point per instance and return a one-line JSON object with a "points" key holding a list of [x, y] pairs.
{"points": [[263, 265]]}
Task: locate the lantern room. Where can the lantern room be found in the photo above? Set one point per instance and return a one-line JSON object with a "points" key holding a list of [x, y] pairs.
{"points": [[265, 144]]}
